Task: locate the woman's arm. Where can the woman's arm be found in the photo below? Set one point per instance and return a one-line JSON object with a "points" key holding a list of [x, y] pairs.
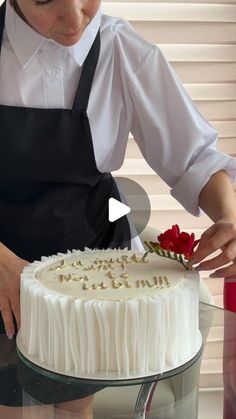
{"points": [[11, 267], [217, 200], [217, 197]]}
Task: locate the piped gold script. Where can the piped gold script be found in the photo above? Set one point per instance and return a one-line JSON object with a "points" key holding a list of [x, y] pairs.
{"points": [[115, 274]]}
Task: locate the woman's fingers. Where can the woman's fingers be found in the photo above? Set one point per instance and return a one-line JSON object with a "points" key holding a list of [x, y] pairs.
{"points": [[15, 306], [8, 308], [11, 267], [209, 242], [227, 255], [5, 308], [219, 236]]}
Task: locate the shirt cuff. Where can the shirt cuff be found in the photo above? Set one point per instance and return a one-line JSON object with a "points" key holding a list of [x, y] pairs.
{"points": [[188, 188]]}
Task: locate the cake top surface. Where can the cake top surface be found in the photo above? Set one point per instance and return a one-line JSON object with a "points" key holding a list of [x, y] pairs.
{"points": [[109, 274]]}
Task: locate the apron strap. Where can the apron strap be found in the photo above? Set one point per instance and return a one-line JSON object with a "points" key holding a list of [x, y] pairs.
{"points": [[87, 75], [2, 20]]}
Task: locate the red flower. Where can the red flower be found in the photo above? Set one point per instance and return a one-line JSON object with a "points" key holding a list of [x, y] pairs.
{"points": [[175, 241]]}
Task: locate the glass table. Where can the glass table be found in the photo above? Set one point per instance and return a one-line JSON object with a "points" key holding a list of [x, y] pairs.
{"points": [[173, 395]]}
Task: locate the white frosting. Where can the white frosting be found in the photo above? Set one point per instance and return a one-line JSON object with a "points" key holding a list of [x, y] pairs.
{"points": [[135, 328]]}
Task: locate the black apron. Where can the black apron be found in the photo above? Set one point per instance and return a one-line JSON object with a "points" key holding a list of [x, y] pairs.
{"points": [[52, 196]]}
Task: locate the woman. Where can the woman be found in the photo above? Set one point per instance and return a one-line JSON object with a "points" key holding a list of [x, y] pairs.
{"points": [[73, 84]]}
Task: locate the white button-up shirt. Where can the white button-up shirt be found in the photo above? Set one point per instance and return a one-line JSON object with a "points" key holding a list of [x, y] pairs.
{"points": [[134, 90]]}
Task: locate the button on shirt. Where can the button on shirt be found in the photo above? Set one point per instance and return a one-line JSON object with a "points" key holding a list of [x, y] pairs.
{"points": [[134, 90]]}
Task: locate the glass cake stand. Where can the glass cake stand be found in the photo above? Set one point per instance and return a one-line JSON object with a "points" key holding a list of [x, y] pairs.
{"points": [[37, 383], [148, 384]]}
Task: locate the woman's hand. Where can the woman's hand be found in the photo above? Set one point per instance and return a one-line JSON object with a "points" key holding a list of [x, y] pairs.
{"points": [[11, 267], [220, 236]]}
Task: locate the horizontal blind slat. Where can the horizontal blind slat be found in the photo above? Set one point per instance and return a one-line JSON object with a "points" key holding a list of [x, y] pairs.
{"points": [[213, 349], [177, 1], [205, 72], [172, 12], [190, 32], [221, 110], [211, 91], [206, 52], [162, 220]]}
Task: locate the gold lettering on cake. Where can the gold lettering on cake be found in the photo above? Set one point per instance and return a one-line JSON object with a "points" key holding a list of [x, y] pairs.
{"points": [[155, 280], [64, 278], [127, 285], [143, 283], [117, 284], [88, 288], [143, 258], [149, 285], [71, 277], [166, 281], [102, 286], [57, 267], [76, 278], [77, 263], [140, 283], [110, 275], [115, 270], [134, 258], [122, 265], [161, 281], [104, 264], [88, 268]]}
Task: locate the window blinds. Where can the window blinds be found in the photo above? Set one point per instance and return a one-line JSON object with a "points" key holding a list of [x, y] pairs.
{"points": [[199, 40]]}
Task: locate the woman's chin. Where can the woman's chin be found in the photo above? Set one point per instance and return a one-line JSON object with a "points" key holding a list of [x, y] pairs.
{"points": [[67, 40]]}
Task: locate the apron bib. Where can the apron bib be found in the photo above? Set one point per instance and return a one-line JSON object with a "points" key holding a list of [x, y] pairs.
{"points": [[49, 180]]}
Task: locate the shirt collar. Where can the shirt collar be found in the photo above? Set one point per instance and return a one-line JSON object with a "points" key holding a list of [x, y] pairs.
{"points": [[26, 41]]}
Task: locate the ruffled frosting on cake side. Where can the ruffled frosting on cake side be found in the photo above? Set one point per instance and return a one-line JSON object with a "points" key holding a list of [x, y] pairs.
{"points": [[129, 336]]}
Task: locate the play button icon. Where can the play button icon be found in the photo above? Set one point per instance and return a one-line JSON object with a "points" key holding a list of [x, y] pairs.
{"points": [[113, 201], [116, 210]]}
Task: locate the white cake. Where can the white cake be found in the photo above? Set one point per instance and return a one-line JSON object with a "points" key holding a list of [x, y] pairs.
{"points": [[108, 313]]}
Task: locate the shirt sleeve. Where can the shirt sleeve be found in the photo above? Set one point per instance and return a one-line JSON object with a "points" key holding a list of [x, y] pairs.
{"points": [[174, 138]]}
